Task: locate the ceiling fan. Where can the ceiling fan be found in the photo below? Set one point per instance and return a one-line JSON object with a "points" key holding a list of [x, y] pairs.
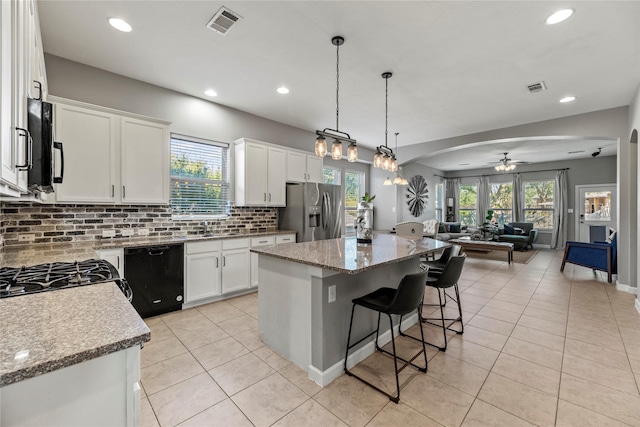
{"points": [[506, 164]]}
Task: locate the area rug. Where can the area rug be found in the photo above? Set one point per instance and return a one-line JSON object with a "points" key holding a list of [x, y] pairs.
{"points": [[518, 257]]}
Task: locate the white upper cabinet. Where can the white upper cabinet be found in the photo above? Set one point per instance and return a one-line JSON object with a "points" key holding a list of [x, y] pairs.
{"points": [[260, 174], [89, 138], [18, 30], [302, 167], [145, 162], [111, 157]]}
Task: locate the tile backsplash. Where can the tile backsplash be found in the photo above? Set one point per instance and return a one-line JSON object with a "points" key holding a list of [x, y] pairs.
{"points": [[73, 223]]}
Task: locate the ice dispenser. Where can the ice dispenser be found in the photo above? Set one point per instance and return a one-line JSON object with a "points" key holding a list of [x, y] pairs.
{"points": [[314, 216]]}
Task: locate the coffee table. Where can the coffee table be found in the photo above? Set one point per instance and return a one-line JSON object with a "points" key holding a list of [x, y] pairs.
{"points": [[484, 245]]}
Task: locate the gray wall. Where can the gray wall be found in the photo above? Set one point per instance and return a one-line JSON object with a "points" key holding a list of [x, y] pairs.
{"points": [[188, 115], [391, 201], [599, 170]]}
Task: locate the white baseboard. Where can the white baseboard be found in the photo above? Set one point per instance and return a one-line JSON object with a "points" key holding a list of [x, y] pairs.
{"points": [[322, 378], [638, 305], [626, 288]]}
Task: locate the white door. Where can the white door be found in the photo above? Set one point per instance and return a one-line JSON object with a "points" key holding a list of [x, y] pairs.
{"points": [[235, 270], [203, 276], [314, 169], [90, 138], [296, 167], [145, 162], [277, 181], [256, 175], [595, 211]]}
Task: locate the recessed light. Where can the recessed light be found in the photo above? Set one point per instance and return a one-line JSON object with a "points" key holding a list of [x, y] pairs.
{"points": [[283, 90], [210, 92], [568, 99], [559, 16], [120, 24]]}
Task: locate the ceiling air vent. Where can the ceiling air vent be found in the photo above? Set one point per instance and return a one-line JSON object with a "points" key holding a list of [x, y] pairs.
{"points": [[223, 20], [536, 87]]}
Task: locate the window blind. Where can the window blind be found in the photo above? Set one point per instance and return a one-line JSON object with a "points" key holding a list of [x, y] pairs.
{"points": [[199, 177]]}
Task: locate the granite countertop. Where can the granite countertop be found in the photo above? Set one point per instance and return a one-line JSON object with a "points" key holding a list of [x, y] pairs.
{"points": [[32, 254], [345, 255], [43, 332]]}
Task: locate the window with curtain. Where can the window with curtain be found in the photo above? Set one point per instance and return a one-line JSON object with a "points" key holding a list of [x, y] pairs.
{"points": [[439, 200], [501, 202], [331, 175], [353, 191], [538, 203], [199, 178], [468, 204]]}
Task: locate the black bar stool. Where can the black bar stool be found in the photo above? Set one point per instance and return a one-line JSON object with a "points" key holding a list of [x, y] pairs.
{"points": [[404, 300], [441, 282]]}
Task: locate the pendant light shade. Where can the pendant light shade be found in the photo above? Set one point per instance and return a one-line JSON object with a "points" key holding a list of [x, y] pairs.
{"points": [[352, 153], [387, 182], [397, 180], [321, 146], [339, 137], [336, 150], [377, 159], [386, 163], [393, 165]]}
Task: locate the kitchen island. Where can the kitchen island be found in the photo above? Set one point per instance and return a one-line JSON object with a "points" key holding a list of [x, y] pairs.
{"points": [[70, 357], [306, 289]]}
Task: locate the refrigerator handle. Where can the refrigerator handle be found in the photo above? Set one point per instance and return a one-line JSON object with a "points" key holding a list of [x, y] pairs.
{"points": [[325, 211]]}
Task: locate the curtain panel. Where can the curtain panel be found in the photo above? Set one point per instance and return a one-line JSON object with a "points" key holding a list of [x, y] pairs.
{"points": [[484, 203], [518, 198], [559, 235]]}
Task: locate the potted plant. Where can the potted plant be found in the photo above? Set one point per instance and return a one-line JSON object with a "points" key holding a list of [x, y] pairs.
{"points": [[364, 219]]}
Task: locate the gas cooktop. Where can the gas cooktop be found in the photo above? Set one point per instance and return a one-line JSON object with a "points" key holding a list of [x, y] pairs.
{"points": [[58, 275]]}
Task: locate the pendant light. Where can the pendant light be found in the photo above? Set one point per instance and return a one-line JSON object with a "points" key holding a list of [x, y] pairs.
{"points": [[338, 137], [385, 158], [399, 179]]}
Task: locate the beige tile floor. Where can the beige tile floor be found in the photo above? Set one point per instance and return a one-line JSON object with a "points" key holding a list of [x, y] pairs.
{"points": [[540, 347]]}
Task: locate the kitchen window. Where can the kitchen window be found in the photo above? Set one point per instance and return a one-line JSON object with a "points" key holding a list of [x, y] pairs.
{"points": [[468, 204], [353, 192], [331, 175], [439, 201], [199, 178], [501, 202], [538, 203]]}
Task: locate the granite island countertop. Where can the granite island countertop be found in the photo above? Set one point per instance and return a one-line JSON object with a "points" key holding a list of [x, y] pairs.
{"points": [[345, 255], [43, 332], [32, 254]]}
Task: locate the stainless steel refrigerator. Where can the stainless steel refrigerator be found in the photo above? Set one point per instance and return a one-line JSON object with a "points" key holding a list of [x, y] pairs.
{"points": [[315, 211]]}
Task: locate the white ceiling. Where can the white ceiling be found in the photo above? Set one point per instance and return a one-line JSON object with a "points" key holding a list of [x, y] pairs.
{"points": [[459, 67]]}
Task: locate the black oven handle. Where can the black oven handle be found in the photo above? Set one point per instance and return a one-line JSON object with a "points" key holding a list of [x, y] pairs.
{"points": [[58, 179]]}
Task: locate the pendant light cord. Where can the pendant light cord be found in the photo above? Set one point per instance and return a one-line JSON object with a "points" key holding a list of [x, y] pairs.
{"points": [[337, 85], [386, 109]]}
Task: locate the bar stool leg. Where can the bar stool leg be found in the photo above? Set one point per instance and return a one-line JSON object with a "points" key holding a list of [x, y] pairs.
{"points": [[395, 360], [353, 309], [444, 327], [459, 310]]}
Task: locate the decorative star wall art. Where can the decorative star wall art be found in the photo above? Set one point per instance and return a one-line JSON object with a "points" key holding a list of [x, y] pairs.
{"points": [[418, 195]]}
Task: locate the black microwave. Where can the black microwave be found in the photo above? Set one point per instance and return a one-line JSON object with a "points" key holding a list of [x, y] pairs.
{"points": [[41, 173]]}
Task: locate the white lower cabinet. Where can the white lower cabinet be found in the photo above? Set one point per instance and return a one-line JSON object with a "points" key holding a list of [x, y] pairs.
{"points": [[266, 241], [115, 257], [103, 391], [255, 243], [202, 270], [216, 267]]}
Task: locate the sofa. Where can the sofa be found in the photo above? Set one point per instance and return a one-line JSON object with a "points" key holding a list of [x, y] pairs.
{"points": [[444, 230], [521, 234]]}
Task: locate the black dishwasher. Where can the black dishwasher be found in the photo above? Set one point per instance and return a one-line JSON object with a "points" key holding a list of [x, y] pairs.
{"points": [[155, 274]]}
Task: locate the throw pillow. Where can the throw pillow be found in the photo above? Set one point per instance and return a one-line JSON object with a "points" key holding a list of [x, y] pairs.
{"points": [[508, 229], [455, 228], [441, 228], [612, 234], [518, 231]]}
